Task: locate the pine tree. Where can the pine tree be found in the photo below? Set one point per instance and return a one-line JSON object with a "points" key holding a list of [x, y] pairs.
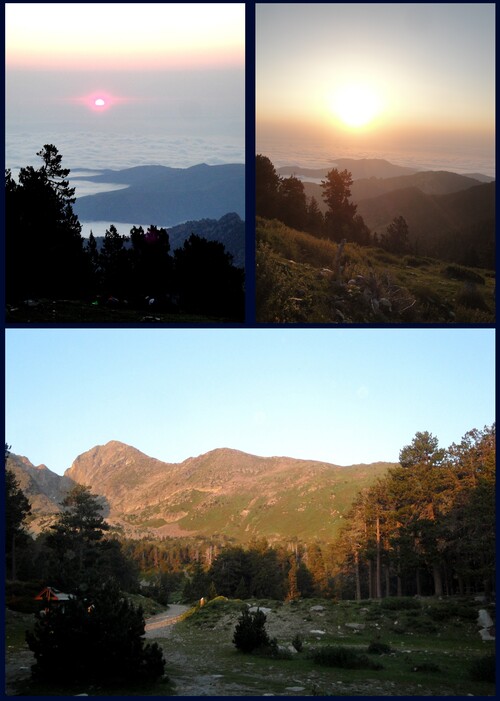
{"points": [[94, 638]]}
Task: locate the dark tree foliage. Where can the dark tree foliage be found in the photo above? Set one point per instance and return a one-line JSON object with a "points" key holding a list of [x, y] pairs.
{"points": [[152, 263], [292, 209], [17, 508], [340, 215], [206, 279], [80, 555], [250, 632], [115, 265], [44, 247], [266, 188], [396, 238], [96, 638]]}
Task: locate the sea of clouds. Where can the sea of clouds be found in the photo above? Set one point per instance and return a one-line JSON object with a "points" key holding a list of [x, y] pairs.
{"points": [[100, 150], [287, 152]]}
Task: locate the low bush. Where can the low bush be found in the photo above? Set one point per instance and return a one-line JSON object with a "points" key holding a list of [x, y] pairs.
{"points": [[446, 610], [483, 669], [298, 643], [250, 632], [345, 657], [471, 298], [377, 647], [458, 272]]}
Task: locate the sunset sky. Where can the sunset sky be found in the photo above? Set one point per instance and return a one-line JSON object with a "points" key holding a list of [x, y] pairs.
{"points": [[420, 75], [174, 67], [342, 396]]}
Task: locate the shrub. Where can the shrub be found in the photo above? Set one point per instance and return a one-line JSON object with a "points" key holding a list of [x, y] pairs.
{"points": [[471, 298], [451, 609], [457, 272], [98, 639], [345, 657], [250, 632], [483, 669], [376, 647]]}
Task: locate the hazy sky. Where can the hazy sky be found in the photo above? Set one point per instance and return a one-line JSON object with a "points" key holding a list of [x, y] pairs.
{"points": [[339, 395], [175, 67], [425, 72]]}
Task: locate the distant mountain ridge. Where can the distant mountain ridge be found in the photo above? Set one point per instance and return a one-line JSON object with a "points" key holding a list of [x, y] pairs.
{"points": [[166, 196], [224, 491], [368, 168]]}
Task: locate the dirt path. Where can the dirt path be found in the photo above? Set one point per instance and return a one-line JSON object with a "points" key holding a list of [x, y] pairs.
{"points": [[159, 626]]}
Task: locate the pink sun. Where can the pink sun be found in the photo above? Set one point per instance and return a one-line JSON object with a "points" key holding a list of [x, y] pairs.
{"points": [[99, 102]]}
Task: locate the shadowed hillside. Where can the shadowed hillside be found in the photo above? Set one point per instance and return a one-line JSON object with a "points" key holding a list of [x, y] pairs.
{"points": [[301, 278]]}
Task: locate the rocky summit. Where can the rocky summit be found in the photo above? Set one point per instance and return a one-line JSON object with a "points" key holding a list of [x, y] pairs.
{"points": [[222, 492]]}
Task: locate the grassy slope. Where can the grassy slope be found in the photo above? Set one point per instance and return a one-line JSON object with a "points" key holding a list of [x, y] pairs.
{"points": [[278, 506], [296, 283]]}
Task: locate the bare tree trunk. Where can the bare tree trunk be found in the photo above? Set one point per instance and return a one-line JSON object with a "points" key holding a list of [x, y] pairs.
{"points": [[13, 572], [438, 581], [370, 579], [358, 583], [378, 567]]}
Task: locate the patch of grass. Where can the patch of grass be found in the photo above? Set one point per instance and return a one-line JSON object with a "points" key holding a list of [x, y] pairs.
{"points": [[340, 656], [458, 272]]}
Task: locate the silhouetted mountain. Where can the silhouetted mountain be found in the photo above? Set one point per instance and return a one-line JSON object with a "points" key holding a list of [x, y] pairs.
{"points": [[166, 196], [221, 492]]}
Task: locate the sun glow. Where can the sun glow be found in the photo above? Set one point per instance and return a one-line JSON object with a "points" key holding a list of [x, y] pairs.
{"points": [[356, 105]]}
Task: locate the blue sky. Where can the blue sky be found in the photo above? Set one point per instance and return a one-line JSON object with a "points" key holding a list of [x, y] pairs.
{"points": [[343, 396]]}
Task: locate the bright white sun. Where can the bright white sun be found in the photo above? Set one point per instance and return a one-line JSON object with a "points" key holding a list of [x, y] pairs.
{"points": [[99, 102], [356, 105]]}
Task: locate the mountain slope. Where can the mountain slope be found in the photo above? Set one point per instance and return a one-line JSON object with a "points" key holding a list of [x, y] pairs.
{"points": [[166, 196], [440, 225], [221, 492]]}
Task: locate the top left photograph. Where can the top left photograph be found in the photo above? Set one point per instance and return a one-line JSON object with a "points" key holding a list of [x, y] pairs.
{"points": [[125, 163]]}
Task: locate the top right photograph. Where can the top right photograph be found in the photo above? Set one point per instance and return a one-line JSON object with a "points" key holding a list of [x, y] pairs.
{"points": [[375, 163]]}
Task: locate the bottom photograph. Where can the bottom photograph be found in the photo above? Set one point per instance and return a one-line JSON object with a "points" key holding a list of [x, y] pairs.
{"points": [[250, 512]]}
